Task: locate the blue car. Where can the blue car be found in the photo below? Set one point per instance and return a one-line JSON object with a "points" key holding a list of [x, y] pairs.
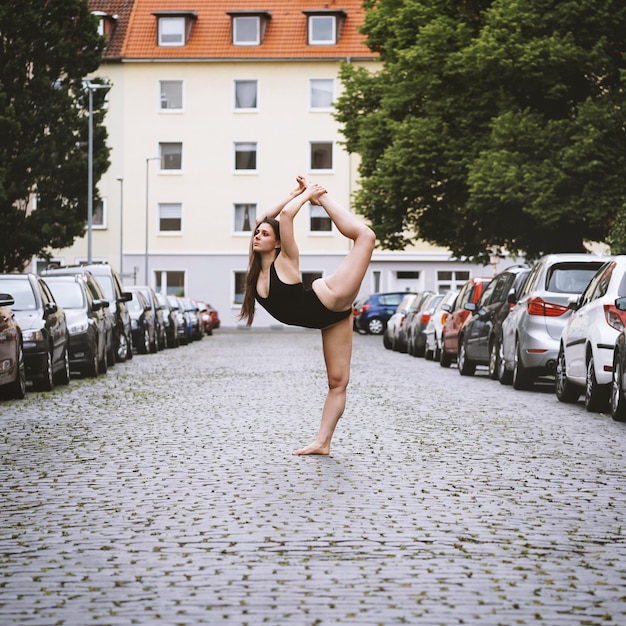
{"points": [[371, 314]]}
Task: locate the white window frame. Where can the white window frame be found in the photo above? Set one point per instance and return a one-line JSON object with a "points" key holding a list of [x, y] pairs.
{"points": [[161, 157], [313, 19], [239, 207], [239, 144], [312, 85], [332, 156], [163, 109], [103, 225], [175, 37], [239, 81], [238, 22], [317, 212], [170, 207], [235, 301]]}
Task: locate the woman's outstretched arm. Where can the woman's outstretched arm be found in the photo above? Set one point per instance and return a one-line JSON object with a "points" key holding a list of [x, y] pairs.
{"points": [[276, 209]]}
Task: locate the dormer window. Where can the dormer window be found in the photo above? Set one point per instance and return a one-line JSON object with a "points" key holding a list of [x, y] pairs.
{"points": [[249, 27], [324, 26], [174, 27], [106, 24]]}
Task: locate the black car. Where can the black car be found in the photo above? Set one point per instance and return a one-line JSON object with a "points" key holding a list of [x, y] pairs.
{"points": [[150, 295], [183, 324], [44, 330], [86, 322], [12, 368], [142, 321], [170, 320], [480, 339], [98, 293]]}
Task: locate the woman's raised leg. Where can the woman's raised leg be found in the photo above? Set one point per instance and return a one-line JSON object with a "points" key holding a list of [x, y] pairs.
{"points": [[337, 345]]}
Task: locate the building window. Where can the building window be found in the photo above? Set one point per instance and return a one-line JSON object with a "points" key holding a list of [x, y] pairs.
{"points": [[309, 277], [246, 92], [171, 156], [240, 287], [170, 217], [322, 30], [171, 94], [447, 280], [245, 156], [321, 155], [99, 214], [245, 217], [319, 220], [170, 282], [321, 93], [246, 31], [171, 31]]}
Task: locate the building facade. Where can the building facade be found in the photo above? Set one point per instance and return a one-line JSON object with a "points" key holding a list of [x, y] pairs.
{"points": [[214, 108]]}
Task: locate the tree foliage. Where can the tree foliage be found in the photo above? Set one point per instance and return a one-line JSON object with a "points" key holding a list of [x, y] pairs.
{"points": [[46, 49], [491, 123]]}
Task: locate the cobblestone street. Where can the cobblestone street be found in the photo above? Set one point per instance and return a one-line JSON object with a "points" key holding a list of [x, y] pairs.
{"points": [[165, 492]]}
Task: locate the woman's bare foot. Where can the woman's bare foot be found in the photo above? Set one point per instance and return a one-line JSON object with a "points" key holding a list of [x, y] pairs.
{"points": [[314, 448]]}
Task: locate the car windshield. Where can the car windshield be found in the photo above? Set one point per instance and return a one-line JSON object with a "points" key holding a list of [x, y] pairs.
{"points": [[21, 292], [571, 278], [68, 294]]}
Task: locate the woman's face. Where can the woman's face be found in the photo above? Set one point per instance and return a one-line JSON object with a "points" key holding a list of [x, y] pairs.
{"points": [[264, 239]]}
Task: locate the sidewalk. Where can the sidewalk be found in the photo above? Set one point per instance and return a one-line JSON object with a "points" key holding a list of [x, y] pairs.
{"points": [[165, 493]]}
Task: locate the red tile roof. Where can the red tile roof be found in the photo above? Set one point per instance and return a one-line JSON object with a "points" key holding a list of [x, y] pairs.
{"points": [[122, 10], [211, 36]]}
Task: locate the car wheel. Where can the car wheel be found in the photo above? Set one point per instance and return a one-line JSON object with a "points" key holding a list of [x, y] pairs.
{"points": [[596, 396], [122, 349], [376, 326], [154, 344], [505, 376], [565, 391], [47, 381], [63, 377], [493, 360], [17, 389], [419, 348], [429, 355], [129, 341], [144, 347], [445, 359], [111, 356], [386, 341], [93, 368], [522, 378], [618, 400], [465, 365]]}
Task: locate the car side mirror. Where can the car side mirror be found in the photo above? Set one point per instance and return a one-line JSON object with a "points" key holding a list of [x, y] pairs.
{"points": [[470, 306], [573, 303], [620, 304], [96, 305], [511, 297], [147, 308], [6, 299], [105, 303], [126, 296], [446, 307], [50, 308]]}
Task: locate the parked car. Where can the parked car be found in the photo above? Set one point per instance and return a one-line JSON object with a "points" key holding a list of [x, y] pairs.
{"points": [[206, 321], [618, 374], [12, 368], [142, 322], [191, 310], [416, 325], [469, 292], [183, 324], [397, 319], [585, 360], [434, 328], [150, 295], [480, 341], [532, 331], [372, 313], [170, 320], [215, 317], [44, 330], [97, 293], [86, 322], [401, 336]]}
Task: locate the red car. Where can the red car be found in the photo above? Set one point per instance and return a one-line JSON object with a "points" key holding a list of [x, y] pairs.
{"points": [[470, 292]]}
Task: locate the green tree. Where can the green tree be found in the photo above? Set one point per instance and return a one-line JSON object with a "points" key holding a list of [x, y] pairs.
{"points": [[491, 123], [46, 49]]}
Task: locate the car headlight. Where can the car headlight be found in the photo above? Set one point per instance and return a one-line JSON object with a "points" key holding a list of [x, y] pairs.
{"points": [[79, 327], [32, 335]]}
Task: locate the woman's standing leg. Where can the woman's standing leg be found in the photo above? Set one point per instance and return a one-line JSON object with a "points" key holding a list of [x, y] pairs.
{"points": [[337, 345]]}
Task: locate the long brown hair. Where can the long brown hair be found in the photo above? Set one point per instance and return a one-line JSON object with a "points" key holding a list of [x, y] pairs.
{"points": [[254, 269]]}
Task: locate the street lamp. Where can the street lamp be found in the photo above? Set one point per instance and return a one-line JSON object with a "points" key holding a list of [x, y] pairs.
{"points": [[90, 88], [148, 159], [120, 179]]}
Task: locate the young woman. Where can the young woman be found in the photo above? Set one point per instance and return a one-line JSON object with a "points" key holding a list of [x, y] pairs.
{"points": [[274, 281]]}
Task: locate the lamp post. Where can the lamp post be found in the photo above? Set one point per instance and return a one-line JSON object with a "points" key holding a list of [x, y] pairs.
{"points": [[148, 159], [90, 88], [120, 179]]}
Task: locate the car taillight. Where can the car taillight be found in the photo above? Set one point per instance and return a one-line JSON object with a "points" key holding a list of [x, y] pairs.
{"points": [[425, 318], [614, 317], [537, 306]]}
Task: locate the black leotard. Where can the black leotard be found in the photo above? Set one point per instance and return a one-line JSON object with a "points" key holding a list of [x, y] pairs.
{"points": [[297, 305]]}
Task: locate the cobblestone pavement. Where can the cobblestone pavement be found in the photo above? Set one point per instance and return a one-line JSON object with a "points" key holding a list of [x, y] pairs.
{"points": [[165, 493]]}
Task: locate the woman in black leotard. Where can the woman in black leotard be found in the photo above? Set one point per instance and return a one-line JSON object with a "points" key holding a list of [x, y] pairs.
{"points": [[274, 281]]}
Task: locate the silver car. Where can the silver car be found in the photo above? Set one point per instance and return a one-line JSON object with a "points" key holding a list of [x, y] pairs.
{"points": [[532, 330]]}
